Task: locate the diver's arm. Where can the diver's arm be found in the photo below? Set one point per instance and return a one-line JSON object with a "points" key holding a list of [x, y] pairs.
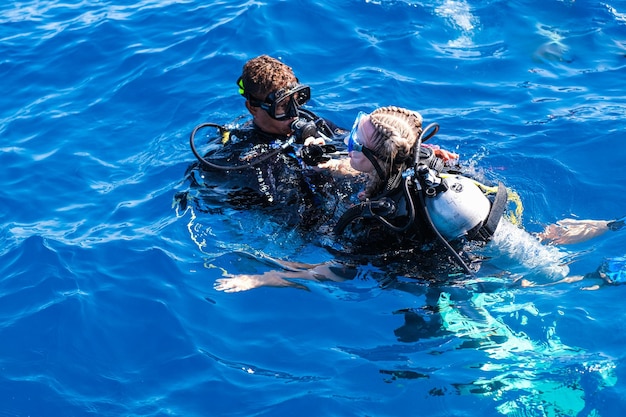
{"points": [[330, 271], [338, 167], [244, 282], [448, 157]]}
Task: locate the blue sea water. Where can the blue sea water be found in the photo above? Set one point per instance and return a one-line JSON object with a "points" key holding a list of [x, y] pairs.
{"points": [[107, 304]]}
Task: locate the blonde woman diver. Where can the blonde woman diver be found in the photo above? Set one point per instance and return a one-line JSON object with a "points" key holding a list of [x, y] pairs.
{"points": [[401, 190], [383, 145]]}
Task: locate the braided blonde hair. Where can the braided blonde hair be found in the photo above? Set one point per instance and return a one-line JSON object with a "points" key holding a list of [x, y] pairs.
{"points": [[396, 131]]}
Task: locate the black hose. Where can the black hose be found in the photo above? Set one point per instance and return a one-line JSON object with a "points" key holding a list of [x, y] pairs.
{"points": [[368, 208], [443, 240], [409, 200], [423, 138], [211, 165]]}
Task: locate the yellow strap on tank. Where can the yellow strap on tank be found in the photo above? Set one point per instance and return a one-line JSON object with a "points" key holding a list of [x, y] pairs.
{"points": [[515, 216]]}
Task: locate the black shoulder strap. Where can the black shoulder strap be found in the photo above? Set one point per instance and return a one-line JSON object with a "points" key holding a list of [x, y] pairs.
{"points": [[485, 230]]}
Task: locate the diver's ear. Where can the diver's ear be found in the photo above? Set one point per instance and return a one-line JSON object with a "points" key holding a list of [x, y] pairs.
{"points": [[251, 108]]}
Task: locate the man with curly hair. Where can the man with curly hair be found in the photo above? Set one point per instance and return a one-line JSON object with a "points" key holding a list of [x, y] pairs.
{"points": [[271, 166], [274, 97]]}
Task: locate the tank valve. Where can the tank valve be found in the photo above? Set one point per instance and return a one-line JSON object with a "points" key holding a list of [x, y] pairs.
{"points": [[433, 184]]}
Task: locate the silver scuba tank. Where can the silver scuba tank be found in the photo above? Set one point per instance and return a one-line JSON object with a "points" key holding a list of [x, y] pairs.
{"points": [[458, 209]]}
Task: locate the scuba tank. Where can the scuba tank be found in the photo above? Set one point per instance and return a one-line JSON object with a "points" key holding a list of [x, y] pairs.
{"points": [[456, 207]]}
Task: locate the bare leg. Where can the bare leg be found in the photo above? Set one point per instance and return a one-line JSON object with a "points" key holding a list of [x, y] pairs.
{"points": [[569, 231]]}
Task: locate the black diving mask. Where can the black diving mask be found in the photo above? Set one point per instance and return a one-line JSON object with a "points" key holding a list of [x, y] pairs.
{"points": [[284, 103]]}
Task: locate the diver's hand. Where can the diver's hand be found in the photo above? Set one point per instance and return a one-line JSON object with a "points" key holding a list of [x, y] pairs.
{"points": [[332, 165], [338, 167], [238, 283], [446, 155], [312, 153], [243, 282], [314, 141]]}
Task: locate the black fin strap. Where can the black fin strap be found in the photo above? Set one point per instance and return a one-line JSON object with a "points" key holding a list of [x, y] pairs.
{"points": [[487, 228]]}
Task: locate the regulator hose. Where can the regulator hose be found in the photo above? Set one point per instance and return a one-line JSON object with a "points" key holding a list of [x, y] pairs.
{"points": [[432, 129], [411, 207], [223, 131], [423, 137], [378, 209], [443, 240]]}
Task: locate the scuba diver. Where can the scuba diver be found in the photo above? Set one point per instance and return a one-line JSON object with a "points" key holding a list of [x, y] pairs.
{"points": [[268, 161], [411, 194], [414, 203]]}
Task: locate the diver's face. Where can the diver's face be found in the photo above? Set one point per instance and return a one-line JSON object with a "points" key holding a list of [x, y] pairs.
{"points": [[266, 123], [358, 160]]}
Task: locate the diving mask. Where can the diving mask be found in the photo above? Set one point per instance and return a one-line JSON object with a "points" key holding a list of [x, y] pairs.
{"points": [[284, 103], [353, 141]]}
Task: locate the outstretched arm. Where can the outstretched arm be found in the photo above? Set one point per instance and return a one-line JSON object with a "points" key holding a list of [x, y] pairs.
{"points": [[244, 282], [329, 271]]}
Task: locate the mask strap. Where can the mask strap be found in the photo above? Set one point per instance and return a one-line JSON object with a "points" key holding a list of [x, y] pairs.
{"points": [[370, 155], [242, 89]]}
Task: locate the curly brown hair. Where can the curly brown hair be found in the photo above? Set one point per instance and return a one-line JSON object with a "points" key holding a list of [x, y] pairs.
{"points": [[263, 75]]}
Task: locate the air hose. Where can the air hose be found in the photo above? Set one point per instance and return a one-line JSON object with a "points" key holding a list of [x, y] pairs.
{"points": [[422, 138], [225, 133], [378, 209]]}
